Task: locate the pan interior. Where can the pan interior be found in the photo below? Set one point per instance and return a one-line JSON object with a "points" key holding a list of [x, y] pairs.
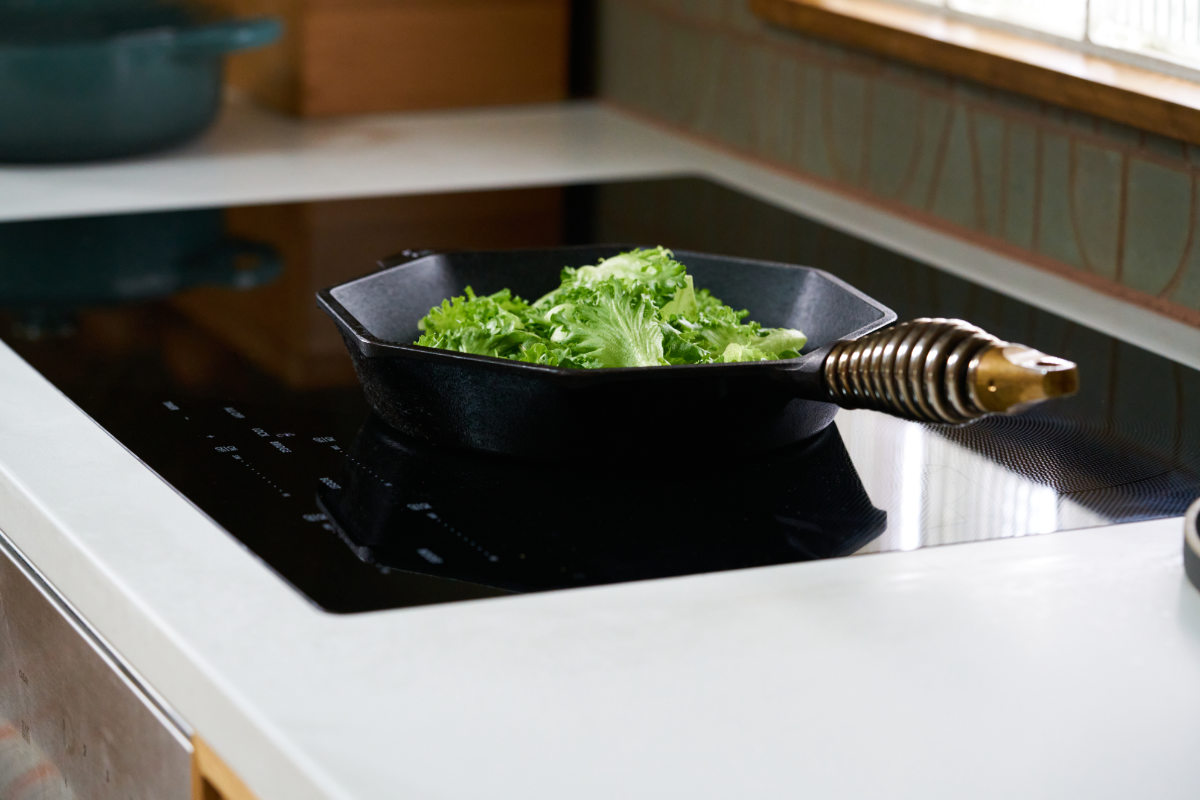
{"points": [[389, 304]]}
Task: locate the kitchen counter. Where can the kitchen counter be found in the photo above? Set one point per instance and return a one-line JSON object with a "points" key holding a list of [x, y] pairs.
{"points": [[1049, 666]]}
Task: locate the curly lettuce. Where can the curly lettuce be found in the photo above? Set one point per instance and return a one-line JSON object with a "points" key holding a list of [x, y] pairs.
{"points": [[636, 309]]}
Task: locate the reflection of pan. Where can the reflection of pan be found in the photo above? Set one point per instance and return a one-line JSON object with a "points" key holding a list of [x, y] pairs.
{"points": [[527, 527], [931, 370], [54, 267]]}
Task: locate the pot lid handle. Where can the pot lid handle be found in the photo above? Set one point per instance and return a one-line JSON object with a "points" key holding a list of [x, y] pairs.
{"points": [[227, 36]]}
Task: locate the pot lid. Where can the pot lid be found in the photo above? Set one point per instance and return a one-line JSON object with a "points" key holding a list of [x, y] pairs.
{"points": [[25, 22]]}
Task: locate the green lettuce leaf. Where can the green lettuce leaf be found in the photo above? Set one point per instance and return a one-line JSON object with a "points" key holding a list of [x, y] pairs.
{"points": [[655, 271], [636, 309], [612, 323]]}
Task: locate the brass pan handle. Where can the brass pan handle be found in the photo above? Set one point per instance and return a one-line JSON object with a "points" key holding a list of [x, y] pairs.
{"points": [[942, 370]]}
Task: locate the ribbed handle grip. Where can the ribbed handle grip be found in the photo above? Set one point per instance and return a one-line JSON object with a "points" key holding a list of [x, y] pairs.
{"points": [[942, 370]]}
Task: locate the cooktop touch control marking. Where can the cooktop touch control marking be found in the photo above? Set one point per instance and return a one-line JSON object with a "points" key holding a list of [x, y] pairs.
{"points": [[429, 513], [270, 482]]}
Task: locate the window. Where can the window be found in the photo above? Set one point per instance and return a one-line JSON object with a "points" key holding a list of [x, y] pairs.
{"points": [[1148, 32], [1162, 28]]}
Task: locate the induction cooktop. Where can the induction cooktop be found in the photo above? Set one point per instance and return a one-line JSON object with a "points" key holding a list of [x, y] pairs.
{"points": [[193, 337]]}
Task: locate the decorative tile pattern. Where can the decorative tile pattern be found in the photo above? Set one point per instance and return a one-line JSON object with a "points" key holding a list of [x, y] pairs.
{"points": [[1096, 180], [1110, 205], [1159, 225], [1019, 189]]}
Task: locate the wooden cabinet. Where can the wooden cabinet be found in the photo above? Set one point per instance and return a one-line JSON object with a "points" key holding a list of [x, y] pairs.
{"points": [[356, 56], [212, 779]]}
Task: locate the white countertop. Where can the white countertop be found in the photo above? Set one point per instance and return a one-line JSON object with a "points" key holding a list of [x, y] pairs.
{"points": [[1065, 665]]}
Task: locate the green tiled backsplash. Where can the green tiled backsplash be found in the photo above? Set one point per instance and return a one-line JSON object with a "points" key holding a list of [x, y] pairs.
{"points": [[1109, 205]]}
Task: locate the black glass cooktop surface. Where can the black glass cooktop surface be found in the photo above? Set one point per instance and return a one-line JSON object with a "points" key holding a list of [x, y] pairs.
{"points": [[194, 339]]}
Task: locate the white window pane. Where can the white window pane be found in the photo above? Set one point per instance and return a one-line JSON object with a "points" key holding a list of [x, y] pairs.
{"points": [[1060, 17], [1158, 28]]}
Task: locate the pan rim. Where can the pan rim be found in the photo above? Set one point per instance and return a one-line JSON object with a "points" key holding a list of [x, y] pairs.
{"points": [[371, 346]]}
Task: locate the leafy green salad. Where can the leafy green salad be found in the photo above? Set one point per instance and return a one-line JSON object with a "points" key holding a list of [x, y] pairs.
{"points": [[636, 309]]}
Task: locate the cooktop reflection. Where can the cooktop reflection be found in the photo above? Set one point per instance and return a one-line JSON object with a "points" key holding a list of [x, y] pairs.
{"points": [[540, 526], [193, 338]]}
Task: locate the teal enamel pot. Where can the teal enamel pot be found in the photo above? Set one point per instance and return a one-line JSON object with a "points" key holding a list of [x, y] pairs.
{"points": [[112, 79]]}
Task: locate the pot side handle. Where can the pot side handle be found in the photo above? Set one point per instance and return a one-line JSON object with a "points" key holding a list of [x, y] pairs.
{"points": [[227, 36], [235, 262], [942, 370]]}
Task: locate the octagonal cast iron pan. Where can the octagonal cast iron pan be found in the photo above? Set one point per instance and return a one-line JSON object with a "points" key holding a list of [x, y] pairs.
{"points": [[944, 371]]}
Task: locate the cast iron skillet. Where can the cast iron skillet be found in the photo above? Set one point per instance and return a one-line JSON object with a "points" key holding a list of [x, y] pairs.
{"points": [[932, 370]]}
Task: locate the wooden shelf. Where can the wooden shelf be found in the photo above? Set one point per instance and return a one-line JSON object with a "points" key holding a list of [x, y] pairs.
{"points": [[1053, 73]]}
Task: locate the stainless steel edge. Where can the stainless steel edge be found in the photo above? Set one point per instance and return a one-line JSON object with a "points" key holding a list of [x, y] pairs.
{"points": [[77, 721]]}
